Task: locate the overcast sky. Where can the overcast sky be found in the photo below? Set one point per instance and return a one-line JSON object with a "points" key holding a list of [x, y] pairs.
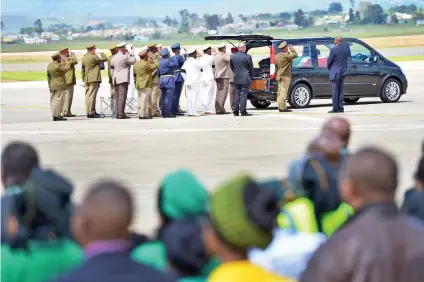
{"points": [[160, 8]]}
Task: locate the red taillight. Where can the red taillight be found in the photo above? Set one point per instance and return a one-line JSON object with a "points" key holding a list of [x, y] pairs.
{"points": [[272, 62]]}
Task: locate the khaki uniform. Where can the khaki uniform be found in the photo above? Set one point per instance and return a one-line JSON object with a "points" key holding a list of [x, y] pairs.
{"points": [[109, 73], [92, 77], [283, 65], [143, 71], [223, 74], [71, 80], [156, 93], [57, 84]]}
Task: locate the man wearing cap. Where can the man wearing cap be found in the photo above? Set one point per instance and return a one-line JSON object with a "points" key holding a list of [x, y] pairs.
{"points": [[56, 78], [156, 93], [166, 83], [70, 82], [92, 78], [192, 71], [208, 81], [222, 77], [121, 64], [283, 65], [113, 50], [143, 70], [176, 49]]}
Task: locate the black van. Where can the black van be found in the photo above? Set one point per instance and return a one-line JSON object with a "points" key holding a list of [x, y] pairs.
{"points": [[370, 74]]}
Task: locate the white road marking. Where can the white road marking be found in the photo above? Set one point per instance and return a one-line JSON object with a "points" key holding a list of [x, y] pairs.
{"points": [[199, 130]]}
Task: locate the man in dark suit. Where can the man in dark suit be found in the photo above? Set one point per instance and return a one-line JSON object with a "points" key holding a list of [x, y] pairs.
{"points": [[242, 67], [101, 226], [337, 65]]}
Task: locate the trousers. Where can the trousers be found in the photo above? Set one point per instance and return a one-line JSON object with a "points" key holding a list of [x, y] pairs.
{"points": [[56, 102], [176, 98], [143, 102], [232, 94], [192, 94], [121, 91], [67, 103], [240, 99], [166, 101], [222, 85], [283, 89], [208, 90], [155, 99], [337, 94], [91, 90]]}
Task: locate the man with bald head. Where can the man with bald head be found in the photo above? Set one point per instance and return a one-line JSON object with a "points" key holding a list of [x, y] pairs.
{"points": [[101, 226], [337, 64], [341, 127], [378, 243]]}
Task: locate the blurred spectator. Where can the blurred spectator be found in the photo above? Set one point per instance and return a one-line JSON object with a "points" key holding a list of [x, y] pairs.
{"points": [[101, 226], [414, 198], [35, 220], [378, 243], [17, 160], [242, 216], [185, 250], [181, 196], [341, 127]]}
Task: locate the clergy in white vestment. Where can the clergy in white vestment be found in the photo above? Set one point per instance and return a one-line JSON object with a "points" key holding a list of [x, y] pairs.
{"points": [[208, 80]]}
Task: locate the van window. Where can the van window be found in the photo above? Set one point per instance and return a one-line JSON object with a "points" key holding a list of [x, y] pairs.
{"points": [[323, 51], [303, 51], [360, 53]]}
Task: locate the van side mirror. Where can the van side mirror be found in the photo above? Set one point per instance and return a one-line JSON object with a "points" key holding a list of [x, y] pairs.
{"points": [[375, 58]]}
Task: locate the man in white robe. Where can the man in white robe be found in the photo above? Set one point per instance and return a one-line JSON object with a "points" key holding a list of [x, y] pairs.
{"points": [[208, 80], [192, 74]]}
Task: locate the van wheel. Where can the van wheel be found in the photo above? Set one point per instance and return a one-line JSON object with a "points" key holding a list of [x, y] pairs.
{"points": [[350, 100], [300, 96], [391, 91], [260, 104]]}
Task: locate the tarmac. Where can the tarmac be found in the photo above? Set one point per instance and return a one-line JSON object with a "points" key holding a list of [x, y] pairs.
{"points": [[141, 152]]}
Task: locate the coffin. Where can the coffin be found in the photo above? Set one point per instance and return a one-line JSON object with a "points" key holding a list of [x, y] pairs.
{"points": [[258, 84]]}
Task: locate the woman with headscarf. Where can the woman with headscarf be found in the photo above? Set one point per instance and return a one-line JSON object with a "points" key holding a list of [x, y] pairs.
{"points": [[181, 196]]}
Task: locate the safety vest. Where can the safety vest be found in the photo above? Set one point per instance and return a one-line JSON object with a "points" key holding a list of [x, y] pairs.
{"points": [[300, 215]]}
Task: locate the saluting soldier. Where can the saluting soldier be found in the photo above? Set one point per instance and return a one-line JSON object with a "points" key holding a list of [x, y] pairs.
{"points": [[113, 51], [92, 78], [179, 81], [283, 65], [56, 79], [70, 82], [156, 92]]}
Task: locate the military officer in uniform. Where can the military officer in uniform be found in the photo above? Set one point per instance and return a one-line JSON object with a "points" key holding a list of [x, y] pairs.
{"points": [[167, 82], [113, 50], [156, 92], [223, 74], [92, 78], [179, 81], [70, 82], [283, 65], [56, 78]]}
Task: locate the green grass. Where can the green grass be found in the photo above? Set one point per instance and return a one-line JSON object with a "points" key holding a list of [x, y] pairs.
{"points": [[359, 31], [407, 58], [32, 75]]}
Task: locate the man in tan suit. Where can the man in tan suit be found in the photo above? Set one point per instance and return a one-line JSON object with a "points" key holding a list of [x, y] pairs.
{"points": [[143, 71], [56, 79], [70, 81], [156, 92], [113, 50], [223, 75], [92, 77], [283, 65], [121, 64]]}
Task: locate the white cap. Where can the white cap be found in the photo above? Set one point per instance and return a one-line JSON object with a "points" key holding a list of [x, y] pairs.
{"points": [[120, 45], [159, 45], [191, 50], [206, 47], [222, 45]]}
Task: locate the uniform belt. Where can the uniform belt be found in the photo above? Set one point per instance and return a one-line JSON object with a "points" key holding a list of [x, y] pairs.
{"points": [[177, 71], [167, 75]]}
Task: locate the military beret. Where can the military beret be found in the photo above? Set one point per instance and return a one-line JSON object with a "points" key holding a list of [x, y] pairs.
{"points": [[152, 45], [191, 50], [164, 52], [91, 46], [112, 48], [206, 47], [55, 55], [282, 45], [176, 46], [222, 45], [120, 45]]}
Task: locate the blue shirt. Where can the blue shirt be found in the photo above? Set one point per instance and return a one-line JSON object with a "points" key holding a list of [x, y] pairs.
{"points": [[166, 73], [180, 61]]}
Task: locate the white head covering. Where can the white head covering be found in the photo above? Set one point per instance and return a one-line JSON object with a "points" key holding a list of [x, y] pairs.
{"points": [[191, 50], [120, 45], [206, 47], [221, 45]]}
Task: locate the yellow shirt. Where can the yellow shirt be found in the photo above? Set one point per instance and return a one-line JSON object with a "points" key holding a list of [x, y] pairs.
{"points": [[243, 271]]}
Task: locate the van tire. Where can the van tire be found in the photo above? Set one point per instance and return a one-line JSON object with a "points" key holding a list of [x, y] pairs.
{"points": [[260, 104], [300, 96], [350, 100], [391, 91]]}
